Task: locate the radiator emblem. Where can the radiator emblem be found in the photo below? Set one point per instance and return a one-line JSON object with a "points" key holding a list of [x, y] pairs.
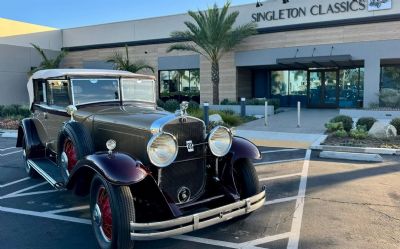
{"points": [[183, 194], [189, 146]]}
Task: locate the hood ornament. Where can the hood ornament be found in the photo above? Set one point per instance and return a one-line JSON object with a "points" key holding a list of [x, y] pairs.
{"points": [[183, 109]]}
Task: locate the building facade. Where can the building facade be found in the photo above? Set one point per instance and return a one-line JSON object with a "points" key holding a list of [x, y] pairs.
{"points": [[326, 54]]}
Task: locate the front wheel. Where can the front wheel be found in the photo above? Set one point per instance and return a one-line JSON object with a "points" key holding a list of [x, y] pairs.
{"points": [[112, 210], [246, 179]]}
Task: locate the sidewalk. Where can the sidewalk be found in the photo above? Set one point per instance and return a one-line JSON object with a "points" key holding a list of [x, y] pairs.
{"points": [[282, 130]]}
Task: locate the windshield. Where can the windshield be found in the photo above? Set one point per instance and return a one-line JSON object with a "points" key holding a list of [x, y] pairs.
{"points": [[138, 90], [95, 90]]}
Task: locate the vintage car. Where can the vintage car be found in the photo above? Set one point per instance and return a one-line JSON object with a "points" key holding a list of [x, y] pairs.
{"points": [[150, 174]]}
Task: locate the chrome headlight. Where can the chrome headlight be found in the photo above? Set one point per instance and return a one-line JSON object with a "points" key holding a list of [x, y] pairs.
{"points": [[162, 149], [220, 141]]}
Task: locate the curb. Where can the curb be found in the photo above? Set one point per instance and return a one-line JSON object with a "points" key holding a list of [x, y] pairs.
{"points": [[365, 150], [9, 133], [351, 156]]}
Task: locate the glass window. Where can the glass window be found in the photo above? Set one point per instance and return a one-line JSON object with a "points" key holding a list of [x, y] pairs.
{"points": [[351, 84], [95, 90], [390, 77], [182, 85], [138, 90], [298, 82], [57, 93], [280, 83]]}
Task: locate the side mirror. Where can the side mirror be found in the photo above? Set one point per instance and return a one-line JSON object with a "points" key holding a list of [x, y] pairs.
{"points": [[71, 109]]}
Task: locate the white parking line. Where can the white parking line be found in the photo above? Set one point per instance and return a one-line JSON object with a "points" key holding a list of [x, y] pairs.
{"points": [[45, 215], [298, 213], [278, 177], [14, 182], [67, 209], [22, 190], [275, 151], [9, 148], [264, 240], [213, 242], [279, 161], [31, 193], [10, 153], [281, 200]]}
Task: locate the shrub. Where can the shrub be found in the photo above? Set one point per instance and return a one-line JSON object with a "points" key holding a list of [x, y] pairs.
{"points": [[160, 103], [368, 122], [341, 133], [275, 102], [171, 105], [359, 133], [14, 111], [332, 127], [228, 102], [193, 105], [396, 123], [346, 121]]}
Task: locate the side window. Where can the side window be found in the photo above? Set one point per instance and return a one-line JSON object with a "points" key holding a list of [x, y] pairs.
{"points": [[57, 93], [40, 92]]}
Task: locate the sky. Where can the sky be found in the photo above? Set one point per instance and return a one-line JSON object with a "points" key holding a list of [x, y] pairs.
{"points": [[76, 13]]}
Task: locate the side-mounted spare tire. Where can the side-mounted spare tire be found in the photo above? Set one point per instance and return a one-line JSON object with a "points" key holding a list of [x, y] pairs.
{"points": [[74, 143]]}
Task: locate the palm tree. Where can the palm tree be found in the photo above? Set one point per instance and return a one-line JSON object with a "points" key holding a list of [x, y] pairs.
{"points": [[46, 62], [123, 63], [212, 35]]}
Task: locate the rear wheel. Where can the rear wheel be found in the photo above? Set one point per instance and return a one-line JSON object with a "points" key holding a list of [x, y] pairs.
{"points": [[112, 210], [25, 156]]}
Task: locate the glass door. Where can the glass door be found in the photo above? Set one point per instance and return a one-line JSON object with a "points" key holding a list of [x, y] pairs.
{"points": [[323, 88]]}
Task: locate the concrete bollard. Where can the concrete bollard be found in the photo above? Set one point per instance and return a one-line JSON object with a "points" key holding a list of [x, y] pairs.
{"points": [[243, 107], [298, 114], [206, 108], [266, 114]]}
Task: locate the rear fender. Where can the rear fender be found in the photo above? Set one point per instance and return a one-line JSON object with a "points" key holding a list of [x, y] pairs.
{"points": [[28, 129]]}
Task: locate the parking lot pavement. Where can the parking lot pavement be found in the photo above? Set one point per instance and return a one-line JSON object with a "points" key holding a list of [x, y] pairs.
{"points": [[301, 211]]}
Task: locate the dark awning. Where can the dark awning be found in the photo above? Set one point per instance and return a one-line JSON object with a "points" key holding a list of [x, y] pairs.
{"points": [[318, 61]]}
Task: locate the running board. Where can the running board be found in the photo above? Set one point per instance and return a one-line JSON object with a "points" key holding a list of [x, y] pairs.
{"points": [[48, 170]]}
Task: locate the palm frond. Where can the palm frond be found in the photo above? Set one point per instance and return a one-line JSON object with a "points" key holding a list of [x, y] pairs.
{"points": [[40, 51]]}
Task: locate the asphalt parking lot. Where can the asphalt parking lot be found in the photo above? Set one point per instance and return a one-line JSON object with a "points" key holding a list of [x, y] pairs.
{"points": [[311, 203]]}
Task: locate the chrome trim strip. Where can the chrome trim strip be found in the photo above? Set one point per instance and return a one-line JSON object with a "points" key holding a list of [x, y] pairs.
{"points": [[159, 124], [196, 221]]}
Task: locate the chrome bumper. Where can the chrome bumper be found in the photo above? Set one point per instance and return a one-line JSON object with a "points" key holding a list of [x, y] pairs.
{"points": [[169, 228]]}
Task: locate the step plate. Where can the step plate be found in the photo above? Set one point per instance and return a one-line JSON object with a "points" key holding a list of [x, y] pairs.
{"points": [[48, 170]]}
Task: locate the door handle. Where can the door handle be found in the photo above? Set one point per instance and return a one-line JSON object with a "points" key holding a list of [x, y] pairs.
{"points": [[45, 115]]}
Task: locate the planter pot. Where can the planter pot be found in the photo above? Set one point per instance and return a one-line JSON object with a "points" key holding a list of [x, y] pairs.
{"points": [[250, 109]]}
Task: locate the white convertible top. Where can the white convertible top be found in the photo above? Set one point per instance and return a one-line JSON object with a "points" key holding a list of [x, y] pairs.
{"points": [[58, 73]]}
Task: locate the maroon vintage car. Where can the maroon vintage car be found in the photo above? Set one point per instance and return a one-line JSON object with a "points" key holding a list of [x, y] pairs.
{"points": [[150, 174]]}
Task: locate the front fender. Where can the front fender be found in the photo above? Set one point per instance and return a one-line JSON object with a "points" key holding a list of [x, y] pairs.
{"points": [[243, 148], [117, 168]]}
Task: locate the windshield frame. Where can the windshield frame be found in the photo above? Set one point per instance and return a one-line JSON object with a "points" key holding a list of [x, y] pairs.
{"points": [[95, 78]]}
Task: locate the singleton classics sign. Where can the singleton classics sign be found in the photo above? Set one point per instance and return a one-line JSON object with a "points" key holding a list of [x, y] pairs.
{"points": [[314, 10]]}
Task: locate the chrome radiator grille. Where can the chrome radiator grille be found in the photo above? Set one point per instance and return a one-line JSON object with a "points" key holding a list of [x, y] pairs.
{"points": [[189, 168]]}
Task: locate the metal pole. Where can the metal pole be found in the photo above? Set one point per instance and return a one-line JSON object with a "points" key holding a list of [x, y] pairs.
{"points": [[298, 113], [243, 107], [266, 114], [206, 107]]}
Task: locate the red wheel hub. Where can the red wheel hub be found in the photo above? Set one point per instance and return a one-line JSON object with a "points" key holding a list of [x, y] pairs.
{"points": [[103, 201], [70, 151]]}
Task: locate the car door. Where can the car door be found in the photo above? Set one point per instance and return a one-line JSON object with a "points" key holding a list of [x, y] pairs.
{"points": [[58, 98], [40, 110]]}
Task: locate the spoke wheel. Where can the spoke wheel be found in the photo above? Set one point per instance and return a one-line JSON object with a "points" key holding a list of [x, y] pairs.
{"points": [[71, 155], [112, 209]]}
